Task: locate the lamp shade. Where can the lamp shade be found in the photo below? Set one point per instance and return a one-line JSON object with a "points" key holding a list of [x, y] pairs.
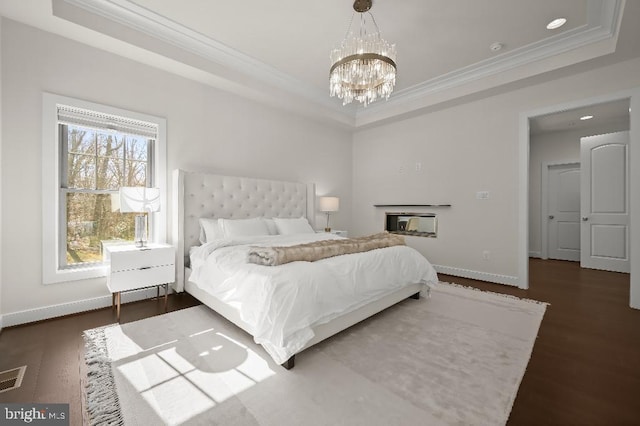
{"points": [[139, 199], [329, 204]]}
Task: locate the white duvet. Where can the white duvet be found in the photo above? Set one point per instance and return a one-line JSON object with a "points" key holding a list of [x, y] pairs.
{"points": [[282, 303]]}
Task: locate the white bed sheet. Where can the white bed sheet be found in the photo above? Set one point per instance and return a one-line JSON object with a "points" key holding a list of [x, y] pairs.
{"points": [[282, 303]]}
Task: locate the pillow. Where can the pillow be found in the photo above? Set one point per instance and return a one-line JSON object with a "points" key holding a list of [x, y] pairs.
{"points": [[209, 230], [244, 227], [271, 225], [293, 226]]}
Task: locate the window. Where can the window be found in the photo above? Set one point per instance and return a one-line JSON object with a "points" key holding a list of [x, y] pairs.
{"points": [[95, 164], [89, 152]]}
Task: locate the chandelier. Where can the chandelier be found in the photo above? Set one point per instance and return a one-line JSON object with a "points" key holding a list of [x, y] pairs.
{"points": [[364, 65]]}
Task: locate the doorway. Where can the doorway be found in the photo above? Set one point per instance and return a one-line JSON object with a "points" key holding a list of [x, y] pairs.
{"points": [[556, 146], [530, 184], [585, 210]]}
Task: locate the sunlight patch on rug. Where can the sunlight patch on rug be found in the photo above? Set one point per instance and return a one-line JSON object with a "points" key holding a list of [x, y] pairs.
{"points": [[456, 357]]}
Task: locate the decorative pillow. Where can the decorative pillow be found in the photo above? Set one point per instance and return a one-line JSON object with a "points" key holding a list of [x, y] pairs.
{"points": [[293, 226], [244, 227], [209, 230], [271, 224]]}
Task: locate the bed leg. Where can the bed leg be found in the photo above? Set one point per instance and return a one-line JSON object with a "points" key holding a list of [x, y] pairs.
{"points": [[415, 296], [288, 364]]}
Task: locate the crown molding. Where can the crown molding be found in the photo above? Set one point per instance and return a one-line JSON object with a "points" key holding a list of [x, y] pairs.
{"points": [[603, 20], [603, 23], [143, 20]]}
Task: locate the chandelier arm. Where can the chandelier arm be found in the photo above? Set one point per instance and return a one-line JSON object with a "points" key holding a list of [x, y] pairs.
{"points": [[362, 56]]}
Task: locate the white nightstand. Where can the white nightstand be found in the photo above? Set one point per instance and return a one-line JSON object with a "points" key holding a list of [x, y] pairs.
{"points": [[132, 268], [335, 232]]}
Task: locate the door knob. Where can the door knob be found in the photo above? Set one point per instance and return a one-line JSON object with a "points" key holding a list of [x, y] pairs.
{"points": [[551, 217], [584, 218]]}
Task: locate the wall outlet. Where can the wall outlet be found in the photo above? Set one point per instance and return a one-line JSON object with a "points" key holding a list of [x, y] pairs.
{"points": [[418, 167], [482, 195], [486, 254]]}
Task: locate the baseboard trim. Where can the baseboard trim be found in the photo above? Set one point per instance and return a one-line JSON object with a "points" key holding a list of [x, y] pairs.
{"points": [[477, 275], [53, 311], [535, 254]]}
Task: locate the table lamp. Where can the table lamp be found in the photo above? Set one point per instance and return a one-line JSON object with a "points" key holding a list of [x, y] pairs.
{"points": [[141, 200], [329, 205]]}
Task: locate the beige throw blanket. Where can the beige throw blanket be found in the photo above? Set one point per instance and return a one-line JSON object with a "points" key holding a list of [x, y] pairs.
{"points": [[310, 252]]}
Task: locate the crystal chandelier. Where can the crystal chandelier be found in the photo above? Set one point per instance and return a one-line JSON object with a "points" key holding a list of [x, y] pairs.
{"points": [[364, 65]]}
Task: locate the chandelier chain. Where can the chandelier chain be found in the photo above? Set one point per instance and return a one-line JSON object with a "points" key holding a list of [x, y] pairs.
{"points": [[375, 23], [363, 26], [349, 26]]}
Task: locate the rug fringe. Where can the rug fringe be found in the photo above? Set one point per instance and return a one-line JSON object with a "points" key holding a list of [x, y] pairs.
{"points": [[103, 405], [508, 296]]}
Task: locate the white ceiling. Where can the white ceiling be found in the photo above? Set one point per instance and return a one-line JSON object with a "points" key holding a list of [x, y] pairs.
{"points": [[609, 113], [433, 37], [277, 52]]}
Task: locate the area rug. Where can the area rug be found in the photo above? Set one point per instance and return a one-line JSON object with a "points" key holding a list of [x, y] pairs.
{"points": [[456, 357]]}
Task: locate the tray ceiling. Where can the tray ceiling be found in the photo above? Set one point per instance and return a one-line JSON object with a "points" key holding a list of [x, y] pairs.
{"points": [[278, 52]]}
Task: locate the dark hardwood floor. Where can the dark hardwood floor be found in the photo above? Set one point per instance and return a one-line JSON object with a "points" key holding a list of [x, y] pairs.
{"points": [[584, 370], [52, 351]]}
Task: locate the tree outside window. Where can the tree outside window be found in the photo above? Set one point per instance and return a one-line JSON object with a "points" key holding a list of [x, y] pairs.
{"points": [[98, 163]]}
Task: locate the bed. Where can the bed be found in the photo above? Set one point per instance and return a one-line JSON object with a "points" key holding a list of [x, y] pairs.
{"points": [[286, 308]]}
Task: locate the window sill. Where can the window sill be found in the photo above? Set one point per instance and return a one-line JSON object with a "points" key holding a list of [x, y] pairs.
{"points": [[75, 274]]}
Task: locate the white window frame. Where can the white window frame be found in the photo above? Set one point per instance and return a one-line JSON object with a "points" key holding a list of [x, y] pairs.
{"points": [[51, 162]]}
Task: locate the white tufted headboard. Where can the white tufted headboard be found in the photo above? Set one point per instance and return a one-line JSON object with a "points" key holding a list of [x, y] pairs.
{"points": [[197, 195]]}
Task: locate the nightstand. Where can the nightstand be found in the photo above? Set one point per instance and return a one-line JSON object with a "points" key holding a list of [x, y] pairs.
{"points": [[335, 232], [132, 268]]}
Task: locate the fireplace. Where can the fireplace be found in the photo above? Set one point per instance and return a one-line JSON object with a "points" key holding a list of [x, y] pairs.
{"points": [[417, 224]]}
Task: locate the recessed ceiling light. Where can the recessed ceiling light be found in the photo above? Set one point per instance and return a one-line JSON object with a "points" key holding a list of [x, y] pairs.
{"points": [[586, 117], [556, 23]]}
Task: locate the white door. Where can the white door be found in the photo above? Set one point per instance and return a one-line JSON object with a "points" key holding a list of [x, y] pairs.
{"points": [[605, 202], [563, 207]]}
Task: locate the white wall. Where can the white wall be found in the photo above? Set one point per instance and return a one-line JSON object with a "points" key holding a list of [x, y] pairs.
{"points": [[634, 154], [554, 147], [1, 118], [207, 129], [464, 149]]}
